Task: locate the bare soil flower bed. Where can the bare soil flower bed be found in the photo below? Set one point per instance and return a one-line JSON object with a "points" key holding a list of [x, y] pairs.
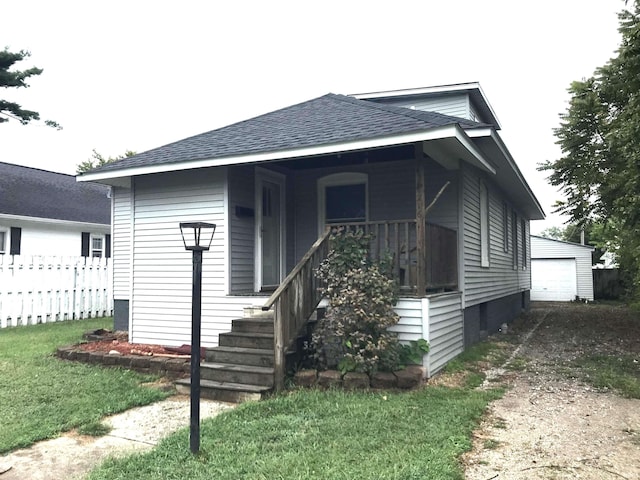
{"points": [[122, 345]]}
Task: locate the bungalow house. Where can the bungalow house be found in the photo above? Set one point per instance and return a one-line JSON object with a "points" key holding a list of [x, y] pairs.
{"points": [[49, 213], [424, 169]]}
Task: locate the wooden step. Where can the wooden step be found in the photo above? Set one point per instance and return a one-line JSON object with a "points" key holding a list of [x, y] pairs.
{"points": [[229, 373], [224, 391], [257, 312], [252, 325], [240, 356], [246, 340]]}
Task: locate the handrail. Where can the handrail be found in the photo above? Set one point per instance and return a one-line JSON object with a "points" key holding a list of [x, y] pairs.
{"points": [[289, 278], [293, 302]]}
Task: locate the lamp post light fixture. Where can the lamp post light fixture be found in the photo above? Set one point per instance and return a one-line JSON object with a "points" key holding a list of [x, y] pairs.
{"points": [[196, 237]]}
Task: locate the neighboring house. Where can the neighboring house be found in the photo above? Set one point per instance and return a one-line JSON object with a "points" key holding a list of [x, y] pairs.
{"points": [[560, 271], [273, 182], [48, 213]]}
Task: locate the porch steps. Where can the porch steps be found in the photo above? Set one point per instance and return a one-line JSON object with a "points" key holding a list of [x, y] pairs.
{"points": [[241, 356], [246, 340], [241, 367]]}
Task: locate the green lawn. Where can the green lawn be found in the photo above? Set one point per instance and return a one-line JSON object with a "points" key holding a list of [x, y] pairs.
{"points": [[42, 396], [309, 434]]}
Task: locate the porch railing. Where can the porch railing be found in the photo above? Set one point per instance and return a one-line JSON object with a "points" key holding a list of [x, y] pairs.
{"points": [[398, 238], [293, 302], [300, 293]]}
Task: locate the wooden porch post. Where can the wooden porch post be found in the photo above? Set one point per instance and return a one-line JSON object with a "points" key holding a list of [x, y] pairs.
{"points": [[421, 225]]}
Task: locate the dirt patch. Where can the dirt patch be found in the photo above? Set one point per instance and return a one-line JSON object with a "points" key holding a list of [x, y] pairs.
{"points": [[552, 425], [119, 341]]}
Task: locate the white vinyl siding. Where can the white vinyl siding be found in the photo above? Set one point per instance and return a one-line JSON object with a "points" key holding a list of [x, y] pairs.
{"points": [[456, 105], [162, 268], [546, 248], [439, 320], [482, 284], [242, 236], [446, 330]]}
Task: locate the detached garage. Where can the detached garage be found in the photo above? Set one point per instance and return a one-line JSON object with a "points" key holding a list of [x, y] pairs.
{"points": [[560, 271]]}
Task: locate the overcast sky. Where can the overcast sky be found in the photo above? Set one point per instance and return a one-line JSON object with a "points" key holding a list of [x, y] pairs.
{"points": [[135, 75]]}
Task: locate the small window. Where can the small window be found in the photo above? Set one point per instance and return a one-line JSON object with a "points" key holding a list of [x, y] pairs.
{"points": [[346, 203], [505, 227], [484, 225], [342, 198], [97, 246], [514, 238], [523, 227], [3, 241]]}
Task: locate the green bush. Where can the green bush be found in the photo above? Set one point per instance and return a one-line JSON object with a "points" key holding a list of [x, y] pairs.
{"points": [[354, 335]]}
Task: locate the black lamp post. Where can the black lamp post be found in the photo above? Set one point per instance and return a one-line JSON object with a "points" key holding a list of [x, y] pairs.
{"points": [[196, 237]]}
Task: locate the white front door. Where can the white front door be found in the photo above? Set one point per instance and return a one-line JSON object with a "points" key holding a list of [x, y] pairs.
{"points": [[269, 230]]}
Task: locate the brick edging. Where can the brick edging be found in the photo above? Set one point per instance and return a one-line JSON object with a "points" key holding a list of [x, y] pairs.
{"points": [[407, 378], [173, 368]]}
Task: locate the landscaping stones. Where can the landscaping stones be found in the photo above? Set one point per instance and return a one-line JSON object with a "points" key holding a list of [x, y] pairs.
{"points": [[329, 378], [163, 366], [384, 380], [305, 378], [408, 378], [356, 381], [174, 368]]}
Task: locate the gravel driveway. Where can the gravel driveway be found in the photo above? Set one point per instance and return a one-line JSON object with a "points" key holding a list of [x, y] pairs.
{"points": [[552, 425]]}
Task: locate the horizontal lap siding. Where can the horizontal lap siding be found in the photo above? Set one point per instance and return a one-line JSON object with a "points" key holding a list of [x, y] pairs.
{"points": [[547, 248], [242, 246], [121, 243], [455, 105], [439, 320], [162, 268], [446, 330], [500, 278], [409, 327]]}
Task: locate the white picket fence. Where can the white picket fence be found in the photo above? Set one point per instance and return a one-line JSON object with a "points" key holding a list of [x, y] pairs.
{"points": [[39, 289]]}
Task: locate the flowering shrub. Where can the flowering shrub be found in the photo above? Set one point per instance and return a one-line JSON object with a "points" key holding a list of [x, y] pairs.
{"points": [[354, 335]]}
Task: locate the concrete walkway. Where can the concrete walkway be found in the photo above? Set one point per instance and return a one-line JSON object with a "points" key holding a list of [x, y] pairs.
{"points": [[72, 456]]}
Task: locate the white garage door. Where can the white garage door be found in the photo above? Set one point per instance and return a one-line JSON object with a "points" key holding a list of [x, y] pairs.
{"points": [[553, 279]]}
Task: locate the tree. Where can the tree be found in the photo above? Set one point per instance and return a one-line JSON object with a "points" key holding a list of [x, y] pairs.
{"points": [[17, 79], [557, 233], [96, 160], [599, 135]]}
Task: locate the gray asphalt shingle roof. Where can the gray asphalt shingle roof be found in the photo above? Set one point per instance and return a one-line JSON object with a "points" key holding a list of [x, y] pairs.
{"points": [[31, 192], [325, 120]]}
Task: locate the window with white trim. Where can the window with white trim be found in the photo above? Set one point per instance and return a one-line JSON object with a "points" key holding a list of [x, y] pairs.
{"points": [[514, 236], [523, 227], [484, 225], [3, 240], [97, 246], [342, 198], [505, 227]]}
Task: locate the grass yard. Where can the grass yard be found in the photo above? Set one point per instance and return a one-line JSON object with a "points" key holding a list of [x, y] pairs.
{"points": [[322, 434], [42, 396], [308, 434]]}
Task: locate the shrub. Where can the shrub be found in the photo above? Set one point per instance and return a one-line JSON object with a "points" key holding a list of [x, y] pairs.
{"points": [[354, 332]]}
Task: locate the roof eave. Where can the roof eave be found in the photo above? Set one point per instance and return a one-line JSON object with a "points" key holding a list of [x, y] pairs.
{"points": [[490, 132], [113, 177], [55, 221]]}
